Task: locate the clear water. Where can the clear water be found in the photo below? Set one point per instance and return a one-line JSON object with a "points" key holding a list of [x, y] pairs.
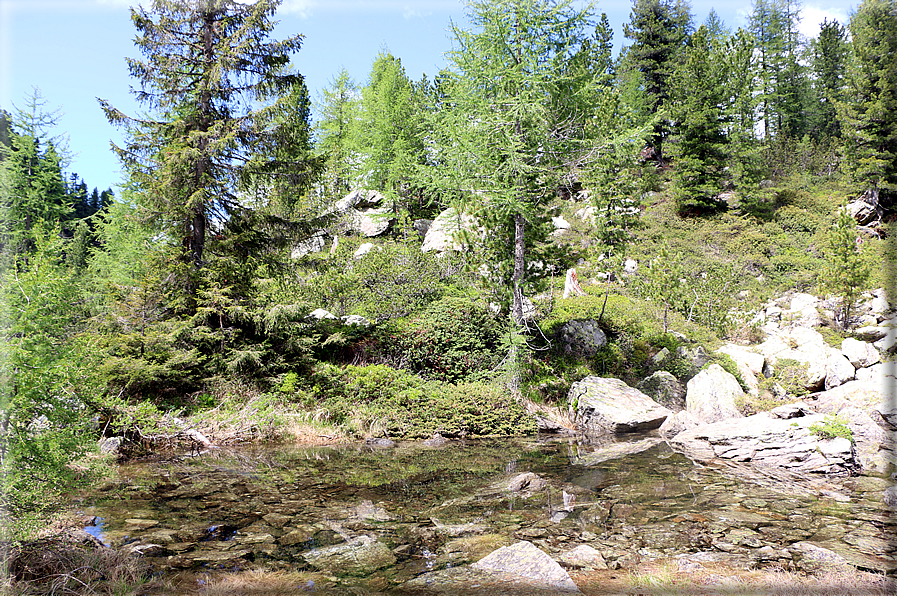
{"points": [[437, 507]]}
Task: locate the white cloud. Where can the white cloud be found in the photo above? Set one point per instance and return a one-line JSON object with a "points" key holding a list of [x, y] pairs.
{"points": [[300, 7], [812, 17]]}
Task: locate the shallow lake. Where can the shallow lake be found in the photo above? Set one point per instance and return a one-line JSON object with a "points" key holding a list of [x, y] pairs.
{"points": [[404, 511]]}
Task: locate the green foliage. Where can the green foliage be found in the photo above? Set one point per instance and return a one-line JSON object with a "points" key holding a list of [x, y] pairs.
{"points": [[47, 381], [226, 114], [393, 280], [454, 340], [336, 116], [700, 142], [402, 405], [832, 427], [869, 110], [846, 273]]}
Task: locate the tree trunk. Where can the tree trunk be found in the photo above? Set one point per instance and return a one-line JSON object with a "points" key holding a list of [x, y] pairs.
{"points": [[519, 266]]}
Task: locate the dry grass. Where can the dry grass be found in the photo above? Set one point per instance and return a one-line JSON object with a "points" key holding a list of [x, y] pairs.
{"points": [[58, 565], [251, 582], [662, 578]]}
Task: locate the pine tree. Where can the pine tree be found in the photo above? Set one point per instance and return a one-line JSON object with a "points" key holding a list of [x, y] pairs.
{"points": [[213, 80], [869, 110]]}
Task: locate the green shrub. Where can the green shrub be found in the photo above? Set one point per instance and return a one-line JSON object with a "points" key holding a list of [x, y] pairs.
{"points": [[831, 427], [379, 399], [453, 340]]}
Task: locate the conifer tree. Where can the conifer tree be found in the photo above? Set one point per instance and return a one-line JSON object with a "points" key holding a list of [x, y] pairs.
{"points": [[829, 51], [515, 124], [213, 81], [869, 110], [699, 94], [336, 113], [659, 30]]}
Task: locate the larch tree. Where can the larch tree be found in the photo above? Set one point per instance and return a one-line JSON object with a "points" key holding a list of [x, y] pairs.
{"points": [[213, 81], [515, 124], [337, 109]]}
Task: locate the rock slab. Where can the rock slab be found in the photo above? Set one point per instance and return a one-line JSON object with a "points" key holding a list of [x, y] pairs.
{"points": [[605, 405]]}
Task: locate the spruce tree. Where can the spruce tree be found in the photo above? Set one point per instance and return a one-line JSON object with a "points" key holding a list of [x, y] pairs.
{"points": [[659, 30], [830, 52], [869, 110], [213, 81], [699, 94]]}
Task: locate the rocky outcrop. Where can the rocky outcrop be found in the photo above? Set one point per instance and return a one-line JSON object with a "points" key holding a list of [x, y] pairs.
{"points": [[581, 338], [762, 440], [750, 365], [363, 213], [525, 560], [601, 405], [711, 395], [360, 556], [315, 243]]}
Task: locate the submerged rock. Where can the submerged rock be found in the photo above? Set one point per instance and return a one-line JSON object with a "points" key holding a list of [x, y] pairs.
{"points": [[360, 556]]}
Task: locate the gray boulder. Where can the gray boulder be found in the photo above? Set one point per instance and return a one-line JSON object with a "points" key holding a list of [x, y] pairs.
{"points": [[525, 560], [665, 389], [750, 365], [363, 212], [315, 243], [601, 405], [860, 354], [711, 395], [838, 370], [582, 338], [583, 556], [677, 423], [445, 231]]}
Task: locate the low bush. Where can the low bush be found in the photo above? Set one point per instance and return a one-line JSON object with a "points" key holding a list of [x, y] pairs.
{"points": [[378, 399]]}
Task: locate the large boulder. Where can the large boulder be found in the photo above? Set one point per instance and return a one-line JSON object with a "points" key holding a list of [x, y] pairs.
{"points": [[363, 212], [581, 338], [711, 394], [665, 389], [773, 443], [838, 370], [750, 365], [803, 344], [860, 353], [865, 209], [315, 243], [444, 233], [602, 405], [526, 560]]}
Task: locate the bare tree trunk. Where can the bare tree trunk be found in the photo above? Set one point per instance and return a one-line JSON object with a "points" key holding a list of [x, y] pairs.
{"points": [[519, 267]]}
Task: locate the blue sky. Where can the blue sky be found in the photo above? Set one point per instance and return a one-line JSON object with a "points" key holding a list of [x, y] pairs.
{"points": [[74, 51]]}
